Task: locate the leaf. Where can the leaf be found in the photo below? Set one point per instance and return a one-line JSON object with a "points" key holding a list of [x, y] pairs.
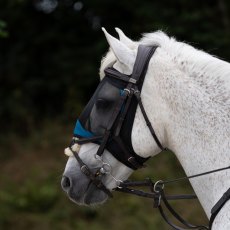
{"points": [[3, 32]]}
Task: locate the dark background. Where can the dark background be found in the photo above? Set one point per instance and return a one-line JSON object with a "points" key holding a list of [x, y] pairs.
{"points": [[50, 54]]}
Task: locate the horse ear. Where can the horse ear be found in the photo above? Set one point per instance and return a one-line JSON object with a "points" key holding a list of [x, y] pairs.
{"points": [[124, 54], [124, 39]]}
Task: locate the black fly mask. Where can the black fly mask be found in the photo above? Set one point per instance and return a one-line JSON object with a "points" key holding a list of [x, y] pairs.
{"points": [[108, 117]]}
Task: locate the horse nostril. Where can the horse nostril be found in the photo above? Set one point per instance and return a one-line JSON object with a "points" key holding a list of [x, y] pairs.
{"points": [[66, 183]]}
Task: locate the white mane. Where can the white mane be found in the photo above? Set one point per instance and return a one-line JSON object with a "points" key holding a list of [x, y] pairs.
{"points": [[200, 65]]}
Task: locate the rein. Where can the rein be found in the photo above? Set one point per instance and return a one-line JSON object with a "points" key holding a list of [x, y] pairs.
{"points": [[158, 196]]}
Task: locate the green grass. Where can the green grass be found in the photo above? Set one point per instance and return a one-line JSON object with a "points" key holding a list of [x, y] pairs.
{"points": [[31, 196]]}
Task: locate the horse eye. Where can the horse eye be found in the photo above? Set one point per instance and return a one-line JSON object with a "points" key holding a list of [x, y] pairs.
{"points": [[102, 104]]}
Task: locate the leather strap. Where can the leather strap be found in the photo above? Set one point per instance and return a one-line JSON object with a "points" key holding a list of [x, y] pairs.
{"points": [[158, 196], [127, 156], [148, 123], [87, 140], [110, 71], [176, 215], [124, 111], [140, 67], [218, 206], [111, 123], [85, 169]]}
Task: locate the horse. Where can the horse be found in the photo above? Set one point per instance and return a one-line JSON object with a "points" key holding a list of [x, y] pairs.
{"points": [[186, 97]]}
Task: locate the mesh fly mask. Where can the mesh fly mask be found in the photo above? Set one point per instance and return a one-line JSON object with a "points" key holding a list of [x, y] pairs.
{"points": [[108, 117]]}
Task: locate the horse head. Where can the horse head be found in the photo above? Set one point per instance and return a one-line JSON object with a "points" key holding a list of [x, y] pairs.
{"points": [[111, 136]]}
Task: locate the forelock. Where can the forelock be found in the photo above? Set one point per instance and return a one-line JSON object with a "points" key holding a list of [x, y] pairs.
{"points": [[107, 61]]}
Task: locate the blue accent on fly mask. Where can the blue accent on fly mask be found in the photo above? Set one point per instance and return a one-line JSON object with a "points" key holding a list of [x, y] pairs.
{"points": [[121, 92], [80, 131]]}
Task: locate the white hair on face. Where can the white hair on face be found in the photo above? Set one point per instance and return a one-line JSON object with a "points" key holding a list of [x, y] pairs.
{"points": [[107, 61]]}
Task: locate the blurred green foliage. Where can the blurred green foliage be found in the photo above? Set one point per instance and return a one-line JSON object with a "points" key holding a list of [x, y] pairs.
{"points": [[3, 31], [50, 52]]}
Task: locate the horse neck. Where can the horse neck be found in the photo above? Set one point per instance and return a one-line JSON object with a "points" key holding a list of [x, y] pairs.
{"points": [[197, 120]]}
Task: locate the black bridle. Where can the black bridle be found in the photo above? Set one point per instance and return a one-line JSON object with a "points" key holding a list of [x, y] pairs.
{"points": [[115, 135], [129, 99], [131, 91]]}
